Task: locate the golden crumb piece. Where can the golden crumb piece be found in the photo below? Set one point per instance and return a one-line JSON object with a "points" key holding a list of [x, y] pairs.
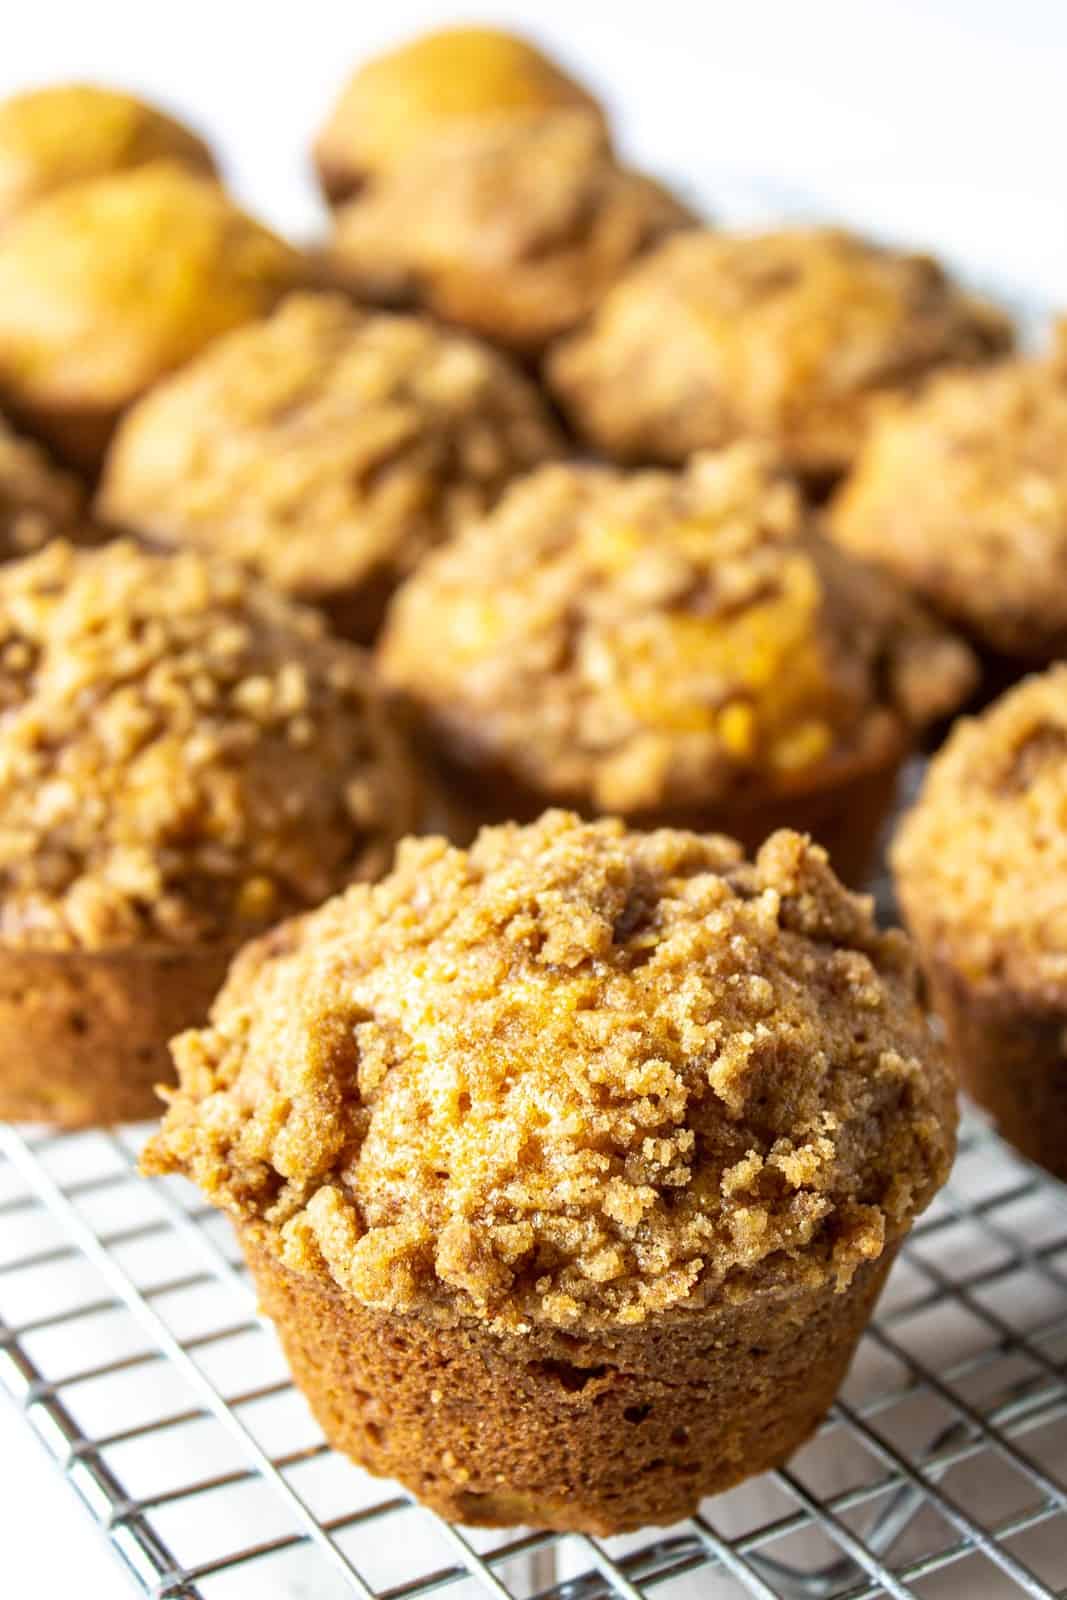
{"points": [[516, 230], [66, 132], [792, 337], [422, 90], [962, 494], [151, 789], [654, 642], [327, 449], [108, 285], [37, 500], [576, 1076]]}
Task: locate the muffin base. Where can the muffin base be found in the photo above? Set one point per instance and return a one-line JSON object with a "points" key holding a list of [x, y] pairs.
{"points": [[591, 1433], [1011, 1056], [83, 1035]]}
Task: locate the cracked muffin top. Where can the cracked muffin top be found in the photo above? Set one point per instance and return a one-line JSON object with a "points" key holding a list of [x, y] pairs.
{"points": [[327, 449], [37, 500], [791, 337], [63, 133], [515, 230], [107, 285], [981, 860], [641, 641], [575, 1076], [184, 756], [963, 495], [409, 97]]}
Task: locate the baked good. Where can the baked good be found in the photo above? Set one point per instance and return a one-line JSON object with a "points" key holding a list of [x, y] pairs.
{"points": [[962, 494], [409, 97], [62, 133], [673, 647], [515, 229], [107, 285], [184, 757], [37, 500], [327, 449], [570, 1168], [791, 337], [980, 865]]}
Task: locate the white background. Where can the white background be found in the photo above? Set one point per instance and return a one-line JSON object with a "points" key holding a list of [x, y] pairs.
{"points": [[938, 122]]}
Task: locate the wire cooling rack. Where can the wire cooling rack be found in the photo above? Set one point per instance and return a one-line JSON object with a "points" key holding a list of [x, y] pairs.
{"points": [[130, 1340]]}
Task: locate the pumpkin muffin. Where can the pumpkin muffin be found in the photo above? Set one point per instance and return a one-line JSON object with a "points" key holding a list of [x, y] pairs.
{"points": [[184, 758], [515, 230], [108, 285], [409, 97], [981, 871], [679, 648], [64, 133], [37, 500], [792, 337], [962, 494], [570, 1168], [326, 449]]}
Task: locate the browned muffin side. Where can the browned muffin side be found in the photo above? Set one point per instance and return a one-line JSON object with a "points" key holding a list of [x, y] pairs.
{"points": [[673, 647], [326, 449], [570, 1166], [37, 500], [409, 97], [793, 337], [981, 864], [184, 757], [63, 133], [515, 230], [109, 284]]}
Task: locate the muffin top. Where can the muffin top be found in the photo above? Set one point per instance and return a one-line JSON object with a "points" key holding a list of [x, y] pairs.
{"points": [[639, 641], [981, 860], [37, 500], [788, 336], [410, 96], [963, 494], [515, 229], [184, 756], [109, 284], [66, 132], [576, 1076], [325, 448]]}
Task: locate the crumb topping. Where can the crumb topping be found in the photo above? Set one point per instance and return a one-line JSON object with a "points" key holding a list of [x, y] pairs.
{"points": [[516, 229], [324, 447], [184, 757], [37, 500], [963, 494], [789, 336], [981, 860], [575, 1075], [638, 640]]}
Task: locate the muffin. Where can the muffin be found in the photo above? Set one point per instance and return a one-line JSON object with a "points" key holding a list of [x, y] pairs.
{"points": [[962, 494], [791, 337], [981, 869], [37, 500], [61, 134], [569, 1169], [674, 647], [516, 229], [108, 285], [326, 449], [411, 96], [184, 758]]}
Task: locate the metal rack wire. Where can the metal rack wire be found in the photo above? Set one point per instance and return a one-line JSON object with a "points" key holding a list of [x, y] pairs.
{"points": [[130, 1340]]}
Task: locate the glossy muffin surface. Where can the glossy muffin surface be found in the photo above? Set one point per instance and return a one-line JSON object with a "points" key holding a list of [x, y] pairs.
{"points": [[327, 449], [60, 134], [791, 337]]}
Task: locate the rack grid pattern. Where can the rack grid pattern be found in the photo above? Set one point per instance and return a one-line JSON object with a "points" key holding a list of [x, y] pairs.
{"points": [[129, 1338]]}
